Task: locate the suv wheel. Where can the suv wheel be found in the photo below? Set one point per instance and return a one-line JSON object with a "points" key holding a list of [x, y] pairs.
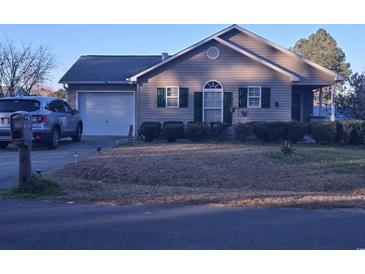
{"points": [[3, 145], [77, 136], [54, 138]]}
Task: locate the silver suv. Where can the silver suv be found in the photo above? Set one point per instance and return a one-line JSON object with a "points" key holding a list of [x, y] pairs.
{"points": [[53, 119]]}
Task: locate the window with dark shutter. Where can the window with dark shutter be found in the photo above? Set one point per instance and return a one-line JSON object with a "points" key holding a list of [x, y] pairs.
{"points": [[183, 97], [161, 97], [198, 106], [266, 98], [242, 97]]}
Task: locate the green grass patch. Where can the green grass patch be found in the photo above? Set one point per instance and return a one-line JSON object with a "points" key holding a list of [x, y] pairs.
{"points": [[40, 187], [340, 158]]}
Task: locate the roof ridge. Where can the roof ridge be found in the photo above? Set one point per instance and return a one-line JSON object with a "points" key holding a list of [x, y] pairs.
{"points": [[121, 55]]}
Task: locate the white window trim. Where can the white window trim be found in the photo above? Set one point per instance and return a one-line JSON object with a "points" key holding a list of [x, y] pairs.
{"points": [[177, 97], [213, 90], [248, 96]]}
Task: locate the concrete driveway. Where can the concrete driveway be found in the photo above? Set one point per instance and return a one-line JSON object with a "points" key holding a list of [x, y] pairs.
{"points": [[42, 225], [49, 160]]}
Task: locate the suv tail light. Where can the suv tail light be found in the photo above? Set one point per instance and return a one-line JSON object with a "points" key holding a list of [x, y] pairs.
{"points": [[39, 118]]}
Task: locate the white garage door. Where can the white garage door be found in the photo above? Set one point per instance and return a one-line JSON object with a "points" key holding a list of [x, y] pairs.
{"points": [[106, 113]]}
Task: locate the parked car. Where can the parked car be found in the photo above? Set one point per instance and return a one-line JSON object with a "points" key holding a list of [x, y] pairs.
{"points": [[53, 119]]}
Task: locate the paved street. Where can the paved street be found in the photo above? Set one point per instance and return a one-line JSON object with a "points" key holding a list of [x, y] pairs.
{"points": [[42, 225], [48, 160]]}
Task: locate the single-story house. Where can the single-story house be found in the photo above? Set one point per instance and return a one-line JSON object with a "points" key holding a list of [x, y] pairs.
{"points": [[233, 76]]}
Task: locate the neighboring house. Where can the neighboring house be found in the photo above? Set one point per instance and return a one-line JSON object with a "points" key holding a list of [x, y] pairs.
{"points": [[232, 76]]}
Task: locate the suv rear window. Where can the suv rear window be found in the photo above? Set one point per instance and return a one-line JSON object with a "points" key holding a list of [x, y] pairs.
{"points": [[12, 105]]}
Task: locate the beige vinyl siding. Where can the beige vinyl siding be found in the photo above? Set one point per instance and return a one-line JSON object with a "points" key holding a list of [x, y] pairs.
{"points": [[71, 98], [73, 88], [307, 73], [232, 69]]}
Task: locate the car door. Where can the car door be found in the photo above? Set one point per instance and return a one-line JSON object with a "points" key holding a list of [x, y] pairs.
{"points": [[72, 119], [60, 116]]}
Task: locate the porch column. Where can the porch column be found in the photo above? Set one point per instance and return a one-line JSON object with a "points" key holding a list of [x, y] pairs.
{"points": [[333, 108], [320, 102]]}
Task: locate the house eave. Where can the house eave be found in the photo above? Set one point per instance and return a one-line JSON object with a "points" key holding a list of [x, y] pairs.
{"points": [[287, 51], [291, 76], [95, 82], [339, 78]]}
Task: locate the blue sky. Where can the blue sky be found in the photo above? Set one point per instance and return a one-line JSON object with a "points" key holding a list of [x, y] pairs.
{"points": [[68, 42]]}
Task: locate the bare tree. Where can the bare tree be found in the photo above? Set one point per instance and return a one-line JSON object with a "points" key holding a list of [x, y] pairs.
{"points": [[22, 67]]}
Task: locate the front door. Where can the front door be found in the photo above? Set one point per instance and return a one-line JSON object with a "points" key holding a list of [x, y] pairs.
{"points": [[295, 106]]}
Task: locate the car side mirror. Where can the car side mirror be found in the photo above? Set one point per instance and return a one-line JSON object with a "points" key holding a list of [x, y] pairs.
{"points": [[74, 112]]}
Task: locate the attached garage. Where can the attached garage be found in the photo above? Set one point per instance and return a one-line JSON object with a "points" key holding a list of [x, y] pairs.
{"points": [[106, 112]]}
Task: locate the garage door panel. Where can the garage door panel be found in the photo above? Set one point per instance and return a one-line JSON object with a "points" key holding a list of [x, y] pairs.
{"points": [[106, 113]]}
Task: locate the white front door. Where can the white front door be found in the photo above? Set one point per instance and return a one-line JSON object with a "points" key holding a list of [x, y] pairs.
{"points": [[106, 113]]}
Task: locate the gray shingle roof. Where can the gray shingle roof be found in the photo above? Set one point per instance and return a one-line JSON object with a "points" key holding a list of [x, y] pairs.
{"points": [[108, 68]]}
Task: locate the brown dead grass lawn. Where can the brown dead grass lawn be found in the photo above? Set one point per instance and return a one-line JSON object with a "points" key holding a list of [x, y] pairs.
{"points": [[207, 173]]}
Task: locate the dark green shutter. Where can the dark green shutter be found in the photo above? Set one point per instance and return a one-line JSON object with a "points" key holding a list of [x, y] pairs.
{"points": [[266, 98], [161, 97], [242, 97], [227, 107], [183, 97], [198, 106]]}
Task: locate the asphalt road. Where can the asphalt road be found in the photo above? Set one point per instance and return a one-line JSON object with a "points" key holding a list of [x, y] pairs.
{"points": [[49, 160], [42, 225]]}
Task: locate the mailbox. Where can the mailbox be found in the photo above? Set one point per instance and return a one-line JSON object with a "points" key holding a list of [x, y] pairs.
{"points": [[21, 128], [21, 134]]}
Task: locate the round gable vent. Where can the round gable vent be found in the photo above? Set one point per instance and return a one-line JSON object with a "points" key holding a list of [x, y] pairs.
{"points": [[213, 53]]}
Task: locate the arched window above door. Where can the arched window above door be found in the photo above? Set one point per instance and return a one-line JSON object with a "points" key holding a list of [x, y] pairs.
{"points": [[213, 84]]}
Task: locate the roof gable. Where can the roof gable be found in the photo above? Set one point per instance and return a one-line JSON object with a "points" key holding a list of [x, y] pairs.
{"points": [[216, 37], [270, 50]]}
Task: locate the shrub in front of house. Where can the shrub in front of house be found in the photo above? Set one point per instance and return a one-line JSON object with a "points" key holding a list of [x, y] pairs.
{"points": [[271, 131], [149, 131], [217, 130], [325, 132], [296, 131], [197, 131], [277, 131], [260, 130], [353, 132], [242, 131], [172, 130]]}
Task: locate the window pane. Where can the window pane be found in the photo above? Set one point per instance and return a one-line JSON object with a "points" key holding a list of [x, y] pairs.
{"points": [[254, 92], [172, 102], [13, 105], [212, 115], [172, 91], [213, 85], [213, 99], [254, 102]]}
